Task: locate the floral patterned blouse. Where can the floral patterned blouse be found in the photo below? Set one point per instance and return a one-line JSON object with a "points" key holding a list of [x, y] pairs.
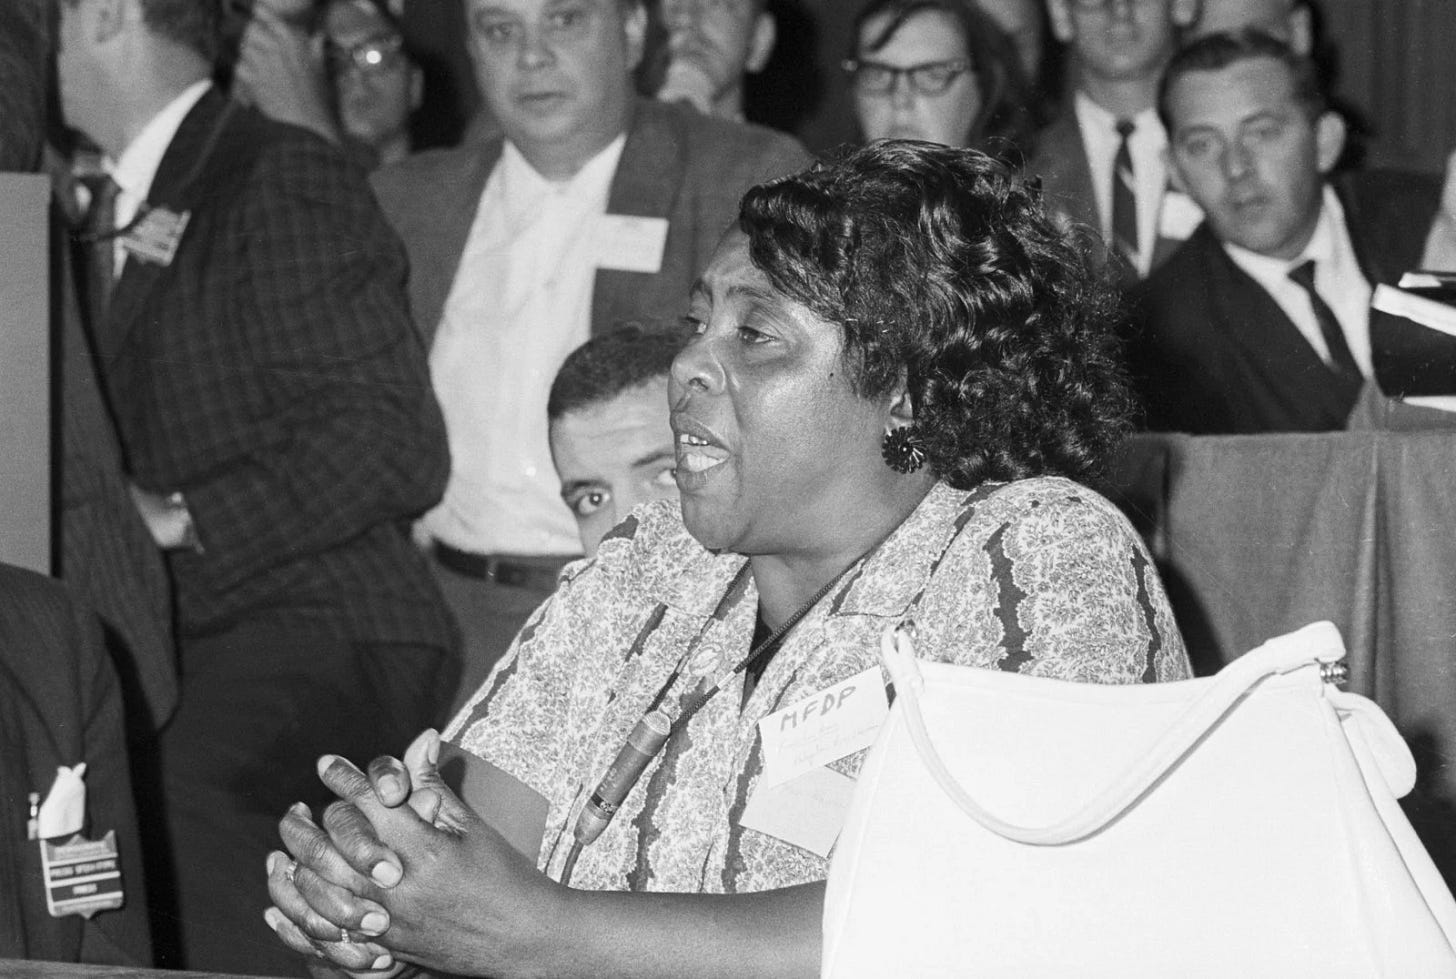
{"points": [[1040, 576]]}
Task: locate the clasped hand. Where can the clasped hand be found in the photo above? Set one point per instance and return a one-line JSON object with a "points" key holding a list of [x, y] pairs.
{"points": [[399, 869]]}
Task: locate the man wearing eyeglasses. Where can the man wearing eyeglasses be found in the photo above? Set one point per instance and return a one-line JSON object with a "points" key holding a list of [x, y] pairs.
{"points": [[590, 207], [376, 85], [1101, 163]]}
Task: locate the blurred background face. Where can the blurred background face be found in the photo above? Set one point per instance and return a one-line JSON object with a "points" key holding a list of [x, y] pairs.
{"points": [[290, 11], [722, 37], [612, 456], [940, 102], [1250, 155], [1116, 39], [375, 86], [1282, 19], [556, 73], [1022, 22]]}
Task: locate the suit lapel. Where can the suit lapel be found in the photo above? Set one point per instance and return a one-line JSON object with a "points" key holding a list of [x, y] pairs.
{"points": [[1387, 231], [1163, 249], [1067, 177], [438, 247], [1296, 382], [174, 188], [645, 185]]}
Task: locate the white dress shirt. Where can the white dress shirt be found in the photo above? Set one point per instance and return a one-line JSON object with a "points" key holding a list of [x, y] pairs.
{"points": [[1145, 144], [136, 168], [1337, 278], [521, 301]]}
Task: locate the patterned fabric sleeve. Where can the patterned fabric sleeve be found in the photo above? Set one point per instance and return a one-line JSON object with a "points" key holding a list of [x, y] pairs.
{"points": [[1056, 584], [516, 719]]}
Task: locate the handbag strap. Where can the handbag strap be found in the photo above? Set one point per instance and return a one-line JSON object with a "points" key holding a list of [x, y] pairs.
{"points": [[1316, 643]]}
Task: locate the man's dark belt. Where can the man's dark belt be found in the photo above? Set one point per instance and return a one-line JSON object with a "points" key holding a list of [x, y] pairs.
{"points": [[516, 571]]}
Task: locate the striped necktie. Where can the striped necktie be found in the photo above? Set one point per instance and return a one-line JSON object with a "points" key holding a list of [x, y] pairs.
{"points": [[1124, 196]]}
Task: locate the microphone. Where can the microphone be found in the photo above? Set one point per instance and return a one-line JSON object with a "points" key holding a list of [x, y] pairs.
{"points": [[641, 746]]}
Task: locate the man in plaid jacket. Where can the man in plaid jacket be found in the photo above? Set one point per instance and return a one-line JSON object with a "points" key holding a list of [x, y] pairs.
{"points": [[279, 432]]}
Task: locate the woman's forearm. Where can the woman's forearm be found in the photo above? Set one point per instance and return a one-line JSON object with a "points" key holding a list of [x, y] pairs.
{"points": [[643, 936]]}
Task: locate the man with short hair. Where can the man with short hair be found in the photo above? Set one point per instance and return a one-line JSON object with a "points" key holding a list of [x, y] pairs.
{"points": [[273, 406], [610, 438], [1260, 322], [712, 46], [1290, 21], [589, 208], [1101, 163]]}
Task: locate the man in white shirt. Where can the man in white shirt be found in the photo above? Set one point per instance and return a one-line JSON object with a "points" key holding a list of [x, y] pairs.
{"points": [[1101, 163], [1261, 321], [591, 207]]}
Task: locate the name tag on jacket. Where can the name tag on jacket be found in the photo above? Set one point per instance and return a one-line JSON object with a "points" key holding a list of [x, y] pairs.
{"points": [[630, 244]]}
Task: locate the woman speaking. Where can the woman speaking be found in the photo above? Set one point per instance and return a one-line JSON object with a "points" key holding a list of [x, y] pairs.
{"points": [[901, 370]]}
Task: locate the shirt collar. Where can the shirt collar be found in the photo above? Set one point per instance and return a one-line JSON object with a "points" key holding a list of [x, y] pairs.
{"points": [[1089, 112], [1320, 248], [595, 173], [136, 168]]}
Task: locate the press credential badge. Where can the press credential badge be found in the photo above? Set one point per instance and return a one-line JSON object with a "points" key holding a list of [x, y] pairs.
{"points": [[630, 244], [156, 235], [81, 876]]}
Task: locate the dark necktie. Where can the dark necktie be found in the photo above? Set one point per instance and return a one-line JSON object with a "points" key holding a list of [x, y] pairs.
{"points": [[100, 237], [1124, 196], [1344, 361]]}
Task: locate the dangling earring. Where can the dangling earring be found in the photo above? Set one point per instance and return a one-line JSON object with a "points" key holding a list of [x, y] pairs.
{"points": [[902, 449]]}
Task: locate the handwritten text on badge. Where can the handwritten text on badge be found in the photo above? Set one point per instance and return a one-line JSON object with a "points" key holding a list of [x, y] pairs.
{"points": [[630, 244], [823, 727]]}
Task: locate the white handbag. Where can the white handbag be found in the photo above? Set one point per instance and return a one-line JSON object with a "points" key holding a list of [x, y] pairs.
{"points": [[1241, 825]]}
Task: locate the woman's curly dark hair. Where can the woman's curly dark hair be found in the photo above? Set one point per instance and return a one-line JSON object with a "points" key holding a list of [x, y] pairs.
{"points": [[942, 266]]}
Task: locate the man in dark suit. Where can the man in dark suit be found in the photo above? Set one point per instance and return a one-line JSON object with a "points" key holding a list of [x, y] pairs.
{"points": [[1260, 322], [278, 430], [60, 705], [590, 207], [1101, 162]]}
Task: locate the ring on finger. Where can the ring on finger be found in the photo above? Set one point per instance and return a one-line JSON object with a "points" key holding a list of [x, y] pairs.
{"points": [[290, 870]]}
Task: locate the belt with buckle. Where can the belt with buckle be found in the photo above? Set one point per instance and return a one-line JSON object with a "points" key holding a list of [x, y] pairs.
{"points": [[523, 571]]}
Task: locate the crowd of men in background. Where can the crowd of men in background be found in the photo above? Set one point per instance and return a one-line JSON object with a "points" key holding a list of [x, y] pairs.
{"points": [[336, 410]]}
